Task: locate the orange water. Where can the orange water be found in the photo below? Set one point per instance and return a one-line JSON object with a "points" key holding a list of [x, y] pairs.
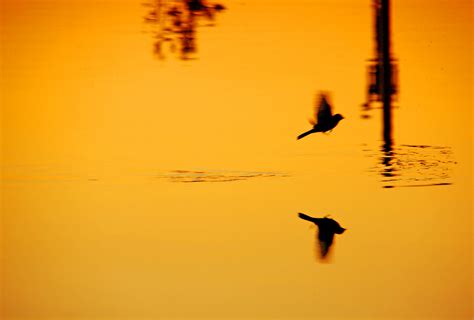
{"points": [[101, 140]]}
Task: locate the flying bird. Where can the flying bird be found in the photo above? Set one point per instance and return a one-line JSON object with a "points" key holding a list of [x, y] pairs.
{"points": [[327, 228], [324, 120]]}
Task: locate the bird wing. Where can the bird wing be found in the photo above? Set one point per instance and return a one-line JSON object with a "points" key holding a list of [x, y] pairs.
{"points": [[325, 242], [323, 109]]}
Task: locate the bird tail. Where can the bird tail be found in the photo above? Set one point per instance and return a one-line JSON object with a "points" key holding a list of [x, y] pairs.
{"points": [[306, 133], [306, 217]]}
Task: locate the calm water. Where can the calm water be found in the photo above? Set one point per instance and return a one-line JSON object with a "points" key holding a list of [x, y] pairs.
{"points": [[135, 187]]}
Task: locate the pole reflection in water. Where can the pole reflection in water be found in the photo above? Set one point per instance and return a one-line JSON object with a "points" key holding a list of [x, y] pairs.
{"points": [[415, 165], [174, 24], [406, 165], [382, 83], [389, 169], [382, 71]]}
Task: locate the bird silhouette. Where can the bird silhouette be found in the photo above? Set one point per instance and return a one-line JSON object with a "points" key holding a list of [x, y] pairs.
{"points": [[324, 120], [327, 227]]}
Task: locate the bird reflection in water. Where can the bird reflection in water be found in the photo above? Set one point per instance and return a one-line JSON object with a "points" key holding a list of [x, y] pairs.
{"points": [[327, 228], [174, 24]]}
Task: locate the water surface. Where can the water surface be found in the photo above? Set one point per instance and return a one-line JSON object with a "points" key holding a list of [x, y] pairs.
{"points": [[96, 130]]}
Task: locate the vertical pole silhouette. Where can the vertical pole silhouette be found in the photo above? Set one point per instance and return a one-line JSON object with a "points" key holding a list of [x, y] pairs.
{"points": [[386, 71], [382, 76], [382, 80]]}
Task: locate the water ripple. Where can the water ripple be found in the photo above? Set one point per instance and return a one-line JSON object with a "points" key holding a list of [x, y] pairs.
{"points": [[190, 176], [408, 165]]}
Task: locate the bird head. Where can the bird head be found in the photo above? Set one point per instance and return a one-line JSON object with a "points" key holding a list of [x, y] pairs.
{"points": [[334, 226], [338, 117], [340, 230]]}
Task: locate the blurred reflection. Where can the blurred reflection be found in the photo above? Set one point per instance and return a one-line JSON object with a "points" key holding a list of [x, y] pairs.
{"points": [[194, 176], [413, 165], [403, 165], [174, 24], [382, 71], [327, 228], [388, 157], [323, 120], [381, 81]]}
